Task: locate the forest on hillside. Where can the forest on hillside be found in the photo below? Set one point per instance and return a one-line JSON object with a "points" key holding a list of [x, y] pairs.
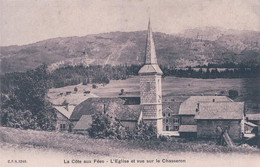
{"points": [[73, 75]]}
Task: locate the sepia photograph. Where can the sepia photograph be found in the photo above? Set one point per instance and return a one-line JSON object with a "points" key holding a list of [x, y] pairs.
{"points": [[95, 83]]}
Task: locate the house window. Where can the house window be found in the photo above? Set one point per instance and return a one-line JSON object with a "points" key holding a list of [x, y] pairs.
{"points": [[176, 128], [62, 127], [163, 114], [166, 120], [169, 114], [167, 128], [175, 120]]}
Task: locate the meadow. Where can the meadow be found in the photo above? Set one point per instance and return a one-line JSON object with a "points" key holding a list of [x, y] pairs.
{"points": [[173, 88]]}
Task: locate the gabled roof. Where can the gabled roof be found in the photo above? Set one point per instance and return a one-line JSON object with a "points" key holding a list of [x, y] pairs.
{"points": [[253, 117], [64, 111], [188, 128], [84, 123], [224, 110], [113, 106], [172, 107], [188, 107]]}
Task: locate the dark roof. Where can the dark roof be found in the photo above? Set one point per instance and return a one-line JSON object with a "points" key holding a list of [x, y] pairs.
{"points": [[172, 107], [188, 128], [253, 117], [188, 107], [112, 106], [225, 110], [84, 123], [130, 100]]}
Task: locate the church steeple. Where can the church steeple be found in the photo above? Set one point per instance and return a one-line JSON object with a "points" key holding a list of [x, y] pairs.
{"points": [[151, 86], [150, 54], [150, 65]]}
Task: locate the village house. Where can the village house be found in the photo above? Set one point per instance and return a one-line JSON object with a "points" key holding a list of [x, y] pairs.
{"points": [[227, 116], [171, 120], [188, 110], [63, 117]]}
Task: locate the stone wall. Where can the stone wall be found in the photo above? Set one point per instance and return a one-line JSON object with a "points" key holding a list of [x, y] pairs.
{"points": [[151, 100], [187, 120], [208, 128]]}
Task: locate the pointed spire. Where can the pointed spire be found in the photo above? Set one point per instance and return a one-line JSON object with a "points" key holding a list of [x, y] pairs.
{"points": [[150, 66], [150, 54]]}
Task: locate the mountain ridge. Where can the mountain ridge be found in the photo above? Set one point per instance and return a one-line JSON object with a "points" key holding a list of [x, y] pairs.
{"points": [[212, 45]]}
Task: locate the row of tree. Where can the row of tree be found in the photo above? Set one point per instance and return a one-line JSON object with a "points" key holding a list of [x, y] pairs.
{"points": [[73, 75]]}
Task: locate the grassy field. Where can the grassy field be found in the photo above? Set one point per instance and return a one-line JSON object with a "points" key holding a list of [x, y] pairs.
{"points": [[173, 88], [79, 143], [49, 149]]}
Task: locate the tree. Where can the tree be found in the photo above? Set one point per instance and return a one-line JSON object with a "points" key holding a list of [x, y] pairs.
{"points": [[32, 88], [232, 94], [121, 92], [27, 107]]}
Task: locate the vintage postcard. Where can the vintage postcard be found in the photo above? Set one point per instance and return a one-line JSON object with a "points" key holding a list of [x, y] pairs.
{"points": [[129, 83]]}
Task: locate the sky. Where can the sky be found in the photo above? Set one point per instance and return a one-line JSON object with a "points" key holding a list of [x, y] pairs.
{"points": [[28, 21]]}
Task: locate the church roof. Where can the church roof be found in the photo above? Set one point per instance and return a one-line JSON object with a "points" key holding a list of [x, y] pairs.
{"points": [[113, 106], [220, 110], [150, 68], [151, 65]]}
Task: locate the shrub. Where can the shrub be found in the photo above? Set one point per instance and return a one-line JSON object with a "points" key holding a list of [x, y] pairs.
{"points": [[122, 91], [233, 94], [104, 126], [18, 119], [143, 132]]}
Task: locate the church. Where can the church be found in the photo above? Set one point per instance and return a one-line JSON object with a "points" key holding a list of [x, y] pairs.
{"points": [[129, 110], [197, 116]]}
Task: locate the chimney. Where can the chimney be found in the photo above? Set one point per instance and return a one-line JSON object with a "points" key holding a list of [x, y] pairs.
{"points": [[198, 107], [104, 108]]}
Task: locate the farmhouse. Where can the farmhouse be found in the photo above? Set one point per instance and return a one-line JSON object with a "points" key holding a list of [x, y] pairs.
{"points": [[63, 117], [228, 116], [188, 110]]}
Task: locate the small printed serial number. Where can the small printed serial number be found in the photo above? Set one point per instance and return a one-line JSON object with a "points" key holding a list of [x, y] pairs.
{"points": [[17, 161]]}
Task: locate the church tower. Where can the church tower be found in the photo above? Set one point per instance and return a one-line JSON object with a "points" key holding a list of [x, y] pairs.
{"points": [[150, 86]]}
